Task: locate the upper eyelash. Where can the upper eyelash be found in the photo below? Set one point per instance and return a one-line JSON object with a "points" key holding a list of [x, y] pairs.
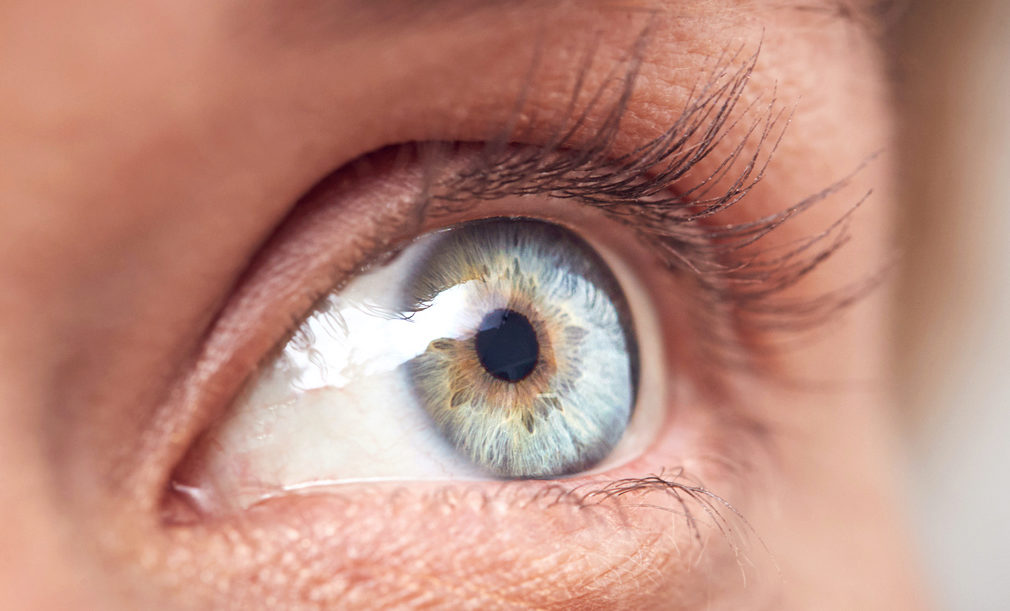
{"points": [[650, 190]]}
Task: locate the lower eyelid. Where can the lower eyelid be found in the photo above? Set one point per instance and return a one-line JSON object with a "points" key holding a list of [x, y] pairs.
{"points": [[488, 544]]}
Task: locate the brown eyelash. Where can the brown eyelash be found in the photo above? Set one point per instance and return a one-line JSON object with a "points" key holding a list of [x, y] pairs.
{"points": [[651, 190], [676, 485]]}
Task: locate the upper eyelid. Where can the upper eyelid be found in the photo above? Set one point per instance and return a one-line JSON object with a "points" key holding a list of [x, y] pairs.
{"points": [[652, 189], [644, 182]]}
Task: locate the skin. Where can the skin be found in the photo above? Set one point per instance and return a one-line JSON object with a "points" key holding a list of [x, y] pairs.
{"points": [[151, 149]]}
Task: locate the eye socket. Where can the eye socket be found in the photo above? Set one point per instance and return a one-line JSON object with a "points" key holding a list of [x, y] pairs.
{"points": [[497, 348]]}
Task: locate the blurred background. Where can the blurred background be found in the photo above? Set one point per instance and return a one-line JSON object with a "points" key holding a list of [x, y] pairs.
{"points": [[953, 310]]}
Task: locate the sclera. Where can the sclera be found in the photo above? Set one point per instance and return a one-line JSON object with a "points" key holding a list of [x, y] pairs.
{"points": [[332, 408]]}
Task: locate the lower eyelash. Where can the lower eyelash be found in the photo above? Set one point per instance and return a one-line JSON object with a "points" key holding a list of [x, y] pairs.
{"points": [[693, 503], [678, 487]]}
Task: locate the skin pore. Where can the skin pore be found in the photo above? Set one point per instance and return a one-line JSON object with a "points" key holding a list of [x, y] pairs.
{"points": [[153, 154]]}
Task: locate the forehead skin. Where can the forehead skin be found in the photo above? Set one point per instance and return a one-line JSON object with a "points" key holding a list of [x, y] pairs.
{"points": [[148, 148]]}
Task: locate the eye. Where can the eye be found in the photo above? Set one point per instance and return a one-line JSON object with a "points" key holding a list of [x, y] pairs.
{"points": [[495, 348]]}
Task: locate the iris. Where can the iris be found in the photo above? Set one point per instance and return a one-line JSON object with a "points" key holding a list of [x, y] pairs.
{"points": [[539, 377]]}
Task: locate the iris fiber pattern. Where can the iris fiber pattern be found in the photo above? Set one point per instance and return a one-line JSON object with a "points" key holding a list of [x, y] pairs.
{"points": [[564, 412]]}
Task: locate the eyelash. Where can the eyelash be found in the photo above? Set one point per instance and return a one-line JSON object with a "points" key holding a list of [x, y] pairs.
{"points": [[647, 191], [650, 190]]}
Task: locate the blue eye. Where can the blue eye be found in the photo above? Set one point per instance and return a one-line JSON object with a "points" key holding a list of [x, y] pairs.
{"points": [[542, 380], [496, 348]]}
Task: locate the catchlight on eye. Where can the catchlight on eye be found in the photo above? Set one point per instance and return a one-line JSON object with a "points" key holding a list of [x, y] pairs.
{"points": [[496, 348]]}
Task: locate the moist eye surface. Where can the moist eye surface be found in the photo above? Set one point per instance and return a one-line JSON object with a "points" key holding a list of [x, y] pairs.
{"points": [[496, 348]]}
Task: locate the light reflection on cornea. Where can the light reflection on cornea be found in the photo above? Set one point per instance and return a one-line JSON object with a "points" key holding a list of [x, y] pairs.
{"points": [[375, 341]]}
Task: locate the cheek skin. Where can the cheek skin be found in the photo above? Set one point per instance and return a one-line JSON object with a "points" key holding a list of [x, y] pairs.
{"points": [[141, 183]]}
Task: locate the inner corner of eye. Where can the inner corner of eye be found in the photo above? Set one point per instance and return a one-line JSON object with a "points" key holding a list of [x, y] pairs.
{"points": [[495, 349]]}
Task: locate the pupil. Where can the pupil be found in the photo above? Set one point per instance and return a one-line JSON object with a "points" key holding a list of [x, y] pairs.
{"points": [[507, 345]]}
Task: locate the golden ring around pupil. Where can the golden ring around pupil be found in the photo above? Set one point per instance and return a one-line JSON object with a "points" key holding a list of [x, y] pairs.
{"points": [[470, 381]]}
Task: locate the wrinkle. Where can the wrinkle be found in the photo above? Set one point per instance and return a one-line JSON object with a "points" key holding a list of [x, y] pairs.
{"points": [[507, 548]]}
